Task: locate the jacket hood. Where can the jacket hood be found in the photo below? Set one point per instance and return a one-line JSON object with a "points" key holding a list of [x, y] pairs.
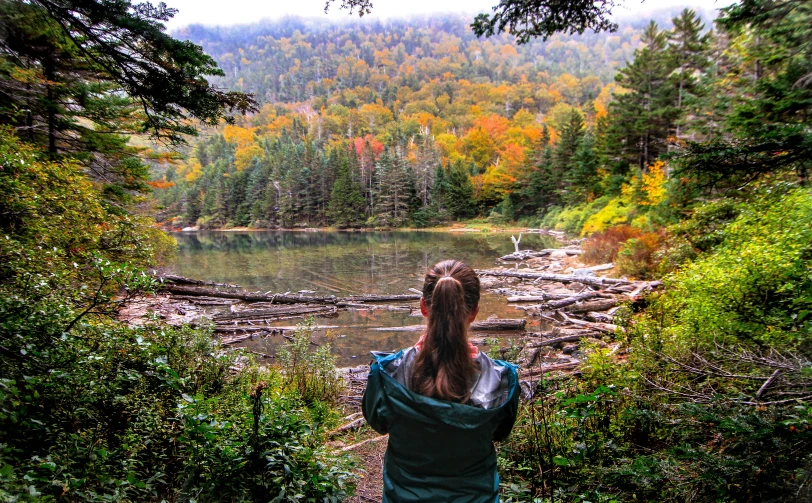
{"points": [[494, 387]]}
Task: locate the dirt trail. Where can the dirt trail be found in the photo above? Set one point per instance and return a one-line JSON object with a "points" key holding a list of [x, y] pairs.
{"points": [[370, 487]]}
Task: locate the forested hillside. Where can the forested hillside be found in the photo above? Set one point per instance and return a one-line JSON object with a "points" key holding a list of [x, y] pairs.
{"points": [[421, 122], [680, 149]]}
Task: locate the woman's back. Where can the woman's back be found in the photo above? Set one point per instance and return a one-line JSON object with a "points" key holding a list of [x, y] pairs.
{"points": [[442, 402], [440, 450]]}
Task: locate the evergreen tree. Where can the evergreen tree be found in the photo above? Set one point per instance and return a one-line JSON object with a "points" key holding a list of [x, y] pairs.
{"points": [[459, 198], [395, 190], [439, 191], [76, 75], [643, 117], [564, 158], [688, 49], [584, 178], [346, 198], [770, 90]]}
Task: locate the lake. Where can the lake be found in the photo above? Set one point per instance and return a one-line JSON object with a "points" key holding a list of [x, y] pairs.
{"points": [[340, 263]]}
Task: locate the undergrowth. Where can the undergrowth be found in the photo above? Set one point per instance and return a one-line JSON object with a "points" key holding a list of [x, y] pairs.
{"points": [[711, 400], [92, 409]]}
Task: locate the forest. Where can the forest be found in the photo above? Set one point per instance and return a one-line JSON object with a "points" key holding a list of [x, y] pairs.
{"points": [[676, 148], [425, 123]]}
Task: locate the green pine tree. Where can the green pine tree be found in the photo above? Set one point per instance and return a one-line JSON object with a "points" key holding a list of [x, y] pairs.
{"points": [[346, 198], [459, 198], [643, 118]]}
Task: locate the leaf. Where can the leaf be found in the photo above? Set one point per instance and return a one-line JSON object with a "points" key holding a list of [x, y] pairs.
{"points": [[561, 461]]}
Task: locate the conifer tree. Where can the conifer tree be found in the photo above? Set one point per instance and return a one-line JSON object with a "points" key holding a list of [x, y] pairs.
{"points": [[564, 158], [584, 177], [688, 50], [459, 198], [439, 192], [76, 75], [396, 189], [643, 117], [345, 198]]}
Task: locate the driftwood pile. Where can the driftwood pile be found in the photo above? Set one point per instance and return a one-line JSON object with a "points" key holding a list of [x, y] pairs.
{"points": [[575, 302], [256, 314]]}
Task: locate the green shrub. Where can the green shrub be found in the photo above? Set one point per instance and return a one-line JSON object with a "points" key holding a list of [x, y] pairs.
{"points": [[94, 410], [311, 373], [617, 211], [756, 286]]}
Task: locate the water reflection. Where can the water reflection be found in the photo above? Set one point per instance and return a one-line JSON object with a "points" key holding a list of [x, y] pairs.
{"points": [[342, 263]]}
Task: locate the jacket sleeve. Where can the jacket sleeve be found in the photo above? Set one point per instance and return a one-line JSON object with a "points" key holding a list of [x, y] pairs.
{"points": [[511, 409], [374, 402]]}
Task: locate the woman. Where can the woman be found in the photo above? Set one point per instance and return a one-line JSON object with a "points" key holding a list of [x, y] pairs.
{"points": [[442, 402]]}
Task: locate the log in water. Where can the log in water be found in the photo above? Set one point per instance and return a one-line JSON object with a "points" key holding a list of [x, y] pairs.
{"points": [[503, 324]]}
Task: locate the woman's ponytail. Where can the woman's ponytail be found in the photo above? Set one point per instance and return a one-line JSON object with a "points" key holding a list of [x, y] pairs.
{"points": [[443, 368]]}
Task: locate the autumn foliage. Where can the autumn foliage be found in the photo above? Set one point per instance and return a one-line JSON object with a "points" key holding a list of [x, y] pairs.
{"points": [[603, 247]]}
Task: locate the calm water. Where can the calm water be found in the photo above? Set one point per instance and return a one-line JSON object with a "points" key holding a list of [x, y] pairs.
{"points": [[341, 263]]}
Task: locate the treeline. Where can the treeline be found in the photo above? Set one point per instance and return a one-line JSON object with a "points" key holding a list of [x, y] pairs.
{"points": [[363, 61], [433, 100], [445, 147]]}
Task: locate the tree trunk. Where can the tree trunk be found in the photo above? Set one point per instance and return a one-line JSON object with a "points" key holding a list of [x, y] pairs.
{"points": [[596, 281]]}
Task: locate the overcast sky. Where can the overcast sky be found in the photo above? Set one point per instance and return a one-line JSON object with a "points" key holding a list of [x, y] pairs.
{"points": [[229, 12]]}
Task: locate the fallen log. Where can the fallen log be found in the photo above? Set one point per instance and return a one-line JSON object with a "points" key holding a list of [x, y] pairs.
{"points": [[647, 285], [573, 337], [549, 368], [599, 305], [380, 298], [527, 254], [496, 324], [281, 298], [235, 339], [499, 324], [599, 317], [596, 281], [266, 328], [620, 289], [205, 301], [247, 296], [190, 281], [558, 304], [542, 297], [600, 327], [352, 425], [593, 269], [275, 312]]}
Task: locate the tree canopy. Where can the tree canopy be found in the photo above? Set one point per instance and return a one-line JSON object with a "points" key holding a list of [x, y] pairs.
{"points": [[107, 61]]}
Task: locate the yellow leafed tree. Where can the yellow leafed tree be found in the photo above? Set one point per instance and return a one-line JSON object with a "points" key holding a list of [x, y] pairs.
{"points": [[654, 184], [243, 157]]}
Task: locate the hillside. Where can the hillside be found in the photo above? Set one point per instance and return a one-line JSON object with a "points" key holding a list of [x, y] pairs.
{"points": [[426, 91]]}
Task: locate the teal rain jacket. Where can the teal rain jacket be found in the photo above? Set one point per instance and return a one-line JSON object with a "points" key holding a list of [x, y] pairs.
{"points": [[440, 451]]}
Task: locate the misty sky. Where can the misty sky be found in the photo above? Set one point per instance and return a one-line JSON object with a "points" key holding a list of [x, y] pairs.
{"points": [[229, 12]]}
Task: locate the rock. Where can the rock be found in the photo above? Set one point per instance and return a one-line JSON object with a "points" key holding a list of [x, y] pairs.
{"points": [[536, 262], [190, 229], [555, 287], [558, 254], [489, 281], [569, 349], [554, 267]]}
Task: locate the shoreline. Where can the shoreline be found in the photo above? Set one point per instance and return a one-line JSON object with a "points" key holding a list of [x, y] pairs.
{"points": [[447, 229]]}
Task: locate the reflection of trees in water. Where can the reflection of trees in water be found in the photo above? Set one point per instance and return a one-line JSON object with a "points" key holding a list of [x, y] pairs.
{"points": [[333, 262]]}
